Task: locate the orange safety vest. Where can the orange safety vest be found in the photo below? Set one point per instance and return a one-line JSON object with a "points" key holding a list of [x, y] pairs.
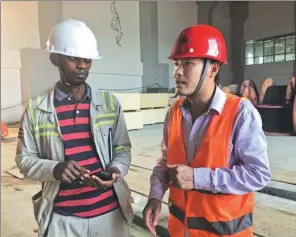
{"points": [[207, 214]]}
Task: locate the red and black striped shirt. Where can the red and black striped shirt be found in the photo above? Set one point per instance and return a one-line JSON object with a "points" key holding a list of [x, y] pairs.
{"points": [[74, 200]]}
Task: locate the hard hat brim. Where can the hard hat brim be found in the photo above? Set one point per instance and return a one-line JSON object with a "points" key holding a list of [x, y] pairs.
{"points": [[71, 55]]}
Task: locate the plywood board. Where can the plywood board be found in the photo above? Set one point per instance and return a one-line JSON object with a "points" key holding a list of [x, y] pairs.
{"points": [[283, 175], [134, 120], [148, 116], [159, 115], [153, 100], [144, 161], [128, 101], [273, 222], [138, 180], [153, 153]]}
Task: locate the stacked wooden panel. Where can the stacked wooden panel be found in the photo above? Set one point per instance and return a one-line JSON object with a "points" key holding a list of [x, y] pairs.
{"points": [[154, 107], [130, 103]]}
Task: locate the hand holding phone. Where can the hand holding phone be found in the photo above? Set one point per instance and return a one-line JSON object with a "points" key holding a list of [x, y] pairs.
{"points": [[102, 180]]}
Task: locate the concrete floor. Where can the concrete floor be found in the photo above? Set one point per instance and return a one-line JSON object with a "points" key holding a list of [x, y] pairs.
{"points": [[16, 193]]}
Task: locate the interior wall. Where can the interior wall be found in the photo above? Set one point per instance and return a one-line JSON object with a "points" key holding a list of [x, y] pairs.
{"points": [[14, 38], [120, 67], [173, 18]]}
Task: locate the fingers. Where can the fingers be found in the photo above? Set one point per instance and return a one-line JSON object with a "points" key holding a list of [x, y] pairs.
{"points": [[155, 217], [103, 184], [69, 174], [79, 170], [148, 217], [66, 179], [89, 181], [115, 176]]}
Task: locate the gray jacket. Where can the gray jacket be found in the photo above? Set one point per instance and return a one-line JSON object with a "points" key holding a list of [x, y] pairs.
{"points": [[40, 149]]}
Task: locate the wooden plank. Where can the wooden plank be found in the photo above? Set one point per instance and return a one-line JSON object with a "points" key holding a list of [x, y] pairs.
{"points": [[283, 175], [128, 101], [138, 180], [273, 222], [134, 120], [153, 153], [16, 173], [144, 161]]}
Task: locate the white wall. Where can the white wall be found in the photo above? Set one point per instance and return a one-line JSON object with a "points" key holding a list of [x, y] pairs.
{"points": [[120, 67], [268, 19], [19, 29], [173, 17]]}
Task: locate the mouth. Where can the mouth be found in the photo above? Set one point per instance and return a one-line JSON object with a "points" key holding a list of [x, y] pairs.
{"points": [[180, 84], [81, 76]]}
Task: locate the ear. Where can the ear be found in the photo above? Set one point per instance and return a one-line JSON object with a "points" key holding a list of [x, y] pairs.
{"points": [[54, 59], [215, 67]]}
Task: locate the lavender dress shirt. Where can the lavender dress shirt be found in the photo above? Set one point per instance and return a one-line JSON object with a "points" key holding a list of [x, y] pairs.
{"points": [[249, 166]]}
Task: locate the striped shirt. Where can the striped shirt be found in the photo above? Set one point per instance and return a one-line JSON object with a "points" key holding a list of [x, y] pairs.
{"points": [[74, 121]]}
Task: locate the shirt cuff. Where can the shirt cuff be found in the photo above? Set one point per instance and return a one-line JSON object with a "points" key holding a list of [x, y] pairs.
{"points": [[122, 168], [156, 192], [203, 179]]}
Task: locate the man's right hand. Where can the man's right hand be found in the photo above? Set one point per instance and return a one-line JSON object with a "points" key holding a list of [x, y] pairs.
{"points": [[151, 214], [68, 171]]}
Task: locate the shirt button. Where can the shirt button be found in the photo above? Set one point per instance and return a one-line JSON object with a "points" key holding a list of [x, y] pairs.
{"points": [[77, 111]]}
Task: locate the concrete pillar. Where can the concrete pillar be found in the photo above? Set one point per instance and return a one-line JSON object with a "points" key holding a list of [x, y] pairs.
{"points": [[239, 12], [205, 11], [153, 72]]}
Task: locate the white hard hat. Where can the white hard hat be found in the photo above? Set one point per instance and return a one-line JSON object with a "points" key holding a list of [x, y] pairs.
{"points": [[73, 38]]}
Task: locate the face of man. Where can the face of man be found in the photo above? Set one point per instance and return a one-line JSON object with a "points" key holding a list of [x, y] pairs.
{"points": [[187, 74], [73, 70]]}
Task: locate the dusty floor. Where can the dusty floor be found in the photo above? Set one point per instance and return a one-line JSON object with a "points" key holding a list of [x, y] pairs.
{"points": [[17, 217]]}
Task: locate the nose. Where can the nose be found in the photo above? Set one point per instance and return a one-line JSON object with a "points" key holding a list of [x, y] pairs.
{"points": [[179, 70], [82, 64]]}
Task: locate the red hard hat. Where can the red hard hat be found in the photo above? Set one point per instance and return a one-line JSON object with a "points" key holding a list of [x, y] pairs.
{"points": [[200, 41]]}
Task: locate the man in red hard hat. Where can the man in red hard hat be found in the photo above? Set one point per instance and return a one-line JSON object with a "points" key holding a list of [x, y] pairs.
{"points": [[214, 151]]}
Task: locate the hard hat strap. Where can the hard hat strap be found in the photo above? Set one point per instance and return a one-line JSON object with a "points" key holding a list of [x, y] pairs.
{"points": [[203, 76]]}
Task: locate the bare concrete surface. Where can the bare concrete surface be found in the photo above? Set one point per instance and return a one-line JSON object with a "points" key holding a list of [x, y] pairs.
{"points": [[273, 217]]}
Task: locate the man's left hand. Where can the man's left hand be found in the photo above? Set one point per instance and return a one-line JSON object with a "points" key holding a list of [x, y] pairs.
{"points": [[181, 176], [104, 184]]}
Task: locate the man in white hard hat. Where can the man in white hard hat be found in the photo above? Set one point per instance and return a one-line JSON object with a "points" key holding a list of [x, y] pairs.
{"points": [[75, 141]]}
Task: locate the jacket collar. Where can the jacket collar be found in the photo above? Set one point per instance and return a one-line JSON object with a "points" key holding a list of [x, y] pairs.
{"points": [[47, 104]]}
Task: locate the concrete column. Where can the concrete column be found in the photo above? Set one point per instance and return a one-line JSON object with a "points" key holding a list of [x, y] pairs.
{"points": [[49, 13], [205, 11], [153, 72], [239, 12]]}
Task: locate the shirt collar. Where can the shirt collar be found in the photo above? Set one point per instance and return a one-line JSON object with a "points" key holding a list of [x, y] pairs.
{"points": [[60, 95], [217, 103]]}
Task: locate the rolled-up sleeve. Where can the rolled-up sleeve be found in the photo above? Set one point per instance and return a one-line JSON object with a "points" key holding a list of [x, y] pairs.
{"points": [[251, 171]]}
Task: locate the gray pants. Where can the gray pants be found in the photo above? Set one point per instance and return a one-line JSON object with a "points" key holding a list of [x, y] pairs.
{"points": [[111, 224]]}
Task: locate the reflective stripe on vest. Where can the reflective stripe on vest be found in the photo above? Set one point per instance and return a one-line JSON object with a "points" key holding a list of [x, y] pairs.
{"points": [[109, 116], [219, 227]]}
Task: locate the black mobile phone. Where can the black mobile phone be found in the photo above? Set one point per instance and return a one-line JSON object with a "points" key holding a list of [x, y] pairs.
{"points": [[103, 175]]}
